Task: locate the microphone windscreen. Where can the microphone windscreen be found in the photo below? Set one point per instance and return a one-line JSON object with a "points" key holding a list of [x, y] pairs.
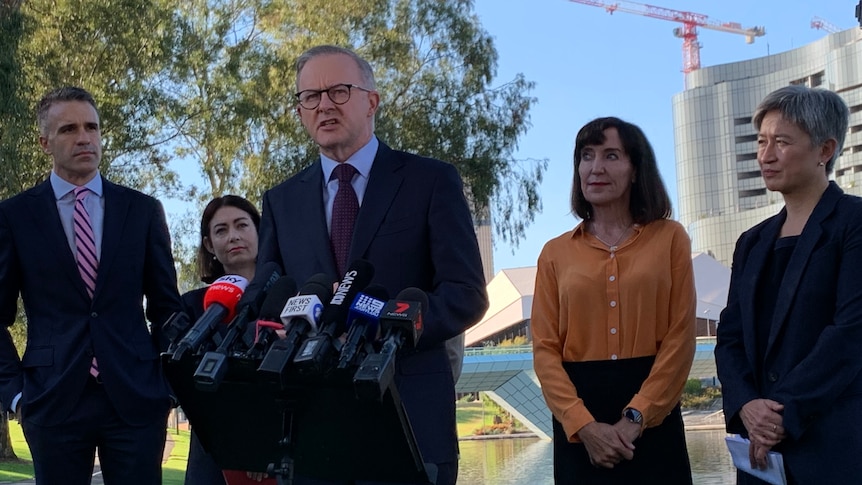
{"points": [[227, 292], [357, 277], [414, 294], [377, 291], [320, 285], [276, 297]]}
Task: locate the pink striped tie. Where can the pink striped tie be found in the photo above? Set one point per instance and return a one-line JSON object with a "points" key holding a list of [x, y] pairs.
{"points": [[85, 248]]}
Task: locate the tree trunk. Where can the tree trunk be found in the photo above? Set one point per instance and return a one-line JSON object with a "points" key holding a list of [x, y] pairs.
{"points": [[6, 451]]}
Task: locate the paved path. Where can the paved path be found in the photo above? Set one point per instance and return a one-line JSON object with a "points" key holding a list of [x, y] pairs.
{"points": [[97, 471]]}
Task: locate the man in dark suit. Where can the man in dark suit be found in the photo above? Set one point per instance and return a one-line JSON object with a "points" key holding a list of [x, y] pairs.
{"points": [[413, 224], [84, 253], [788, 349]]}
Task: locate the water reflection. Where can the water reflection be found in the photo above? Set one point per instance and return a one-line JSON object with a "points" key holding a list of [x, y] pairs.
{"points": [[530, 461]]}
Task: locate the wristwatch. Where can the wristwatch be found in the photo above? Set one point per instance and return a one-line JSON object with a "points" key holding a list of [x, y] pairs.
{"points": [[633, 415]]}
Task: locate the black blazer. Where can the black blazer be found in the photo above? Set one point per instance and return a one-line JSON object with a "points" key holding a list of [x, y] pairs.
{"points": [[64, 328], [415, 228], [813, 359]]}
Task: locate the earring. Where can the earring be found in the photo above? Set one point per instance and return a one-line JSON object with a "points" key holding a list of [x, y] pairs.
{"points": [[214, 257], [821, 164]]}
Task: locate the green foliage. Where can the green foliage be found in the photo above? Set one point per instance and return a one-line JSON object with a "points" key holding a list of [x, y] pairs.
{"points": [[693, 387], [701, 398], [102, 47], [232, 111]]}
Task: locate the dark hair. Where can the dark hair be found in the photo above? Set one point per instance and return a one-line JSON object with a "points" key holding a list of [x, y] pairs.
{"points": [[66, 93], [820, 113], [210, 268], [649, 199]]}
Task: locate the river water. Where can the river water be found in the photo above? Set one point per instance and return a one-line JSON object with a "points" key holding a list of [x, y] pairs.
{"points": [[519, 461]]}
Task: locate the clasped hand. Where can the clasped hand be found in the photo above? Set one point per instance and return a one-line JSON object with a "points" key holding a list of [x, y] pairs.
{"points": [[608, 445], [763, 420]]}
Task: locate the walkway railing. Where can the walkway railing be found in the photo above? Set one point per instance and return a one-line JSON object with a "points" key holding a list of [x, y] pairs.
{"points": [[498, 350]]}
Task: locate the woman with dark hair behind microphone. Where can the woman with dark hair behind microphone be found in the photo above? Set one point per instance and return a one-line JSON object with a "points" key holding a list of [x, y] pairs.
{"points": [[228, 245], [613, 318]]}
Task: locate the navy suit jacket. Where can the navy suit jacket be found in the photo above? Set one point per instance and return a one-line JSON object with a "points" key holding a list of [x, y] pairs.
{"points": [[415, 228], [813, 359], [65, 329]]}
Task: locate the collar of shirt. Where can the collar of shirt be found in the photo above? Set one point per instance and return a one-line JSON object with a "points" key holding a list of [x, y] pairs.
{"points": [[361, 161], [580, 232], [62, 188]]}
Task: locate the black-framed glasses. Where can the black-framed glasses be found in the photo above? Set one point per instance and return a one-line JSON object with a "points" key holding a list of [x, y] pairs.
{"points": [[338, 94]]}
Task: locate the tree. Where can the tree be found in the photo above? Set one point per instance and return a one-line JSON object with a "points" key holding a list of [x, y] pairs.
{"points": [[435, 67], [102, 47], [99, 46]]}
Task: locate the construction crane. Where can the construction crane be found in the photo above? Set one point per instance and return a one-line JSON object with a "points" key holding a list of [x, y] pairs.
{"points": [[822, 24], [688, 32]]}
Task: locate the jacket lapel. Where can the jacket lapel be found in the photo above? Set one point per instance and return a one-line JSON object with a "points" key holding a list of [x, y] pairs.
{"points": [[755, 263], [383, 185], [312, 216], [116, 216], [811, 233], [47, 218]]}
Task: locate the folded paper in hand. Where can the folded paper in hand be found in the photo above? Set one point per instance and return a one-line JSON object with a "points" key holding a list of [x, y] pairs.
{"points": [[774, 472]]}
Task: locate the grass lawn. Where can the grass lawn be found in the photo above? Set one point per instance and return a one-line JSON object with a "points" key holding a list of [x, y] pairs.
{"points": [[470, 417], [23, 468], [173, 471]]}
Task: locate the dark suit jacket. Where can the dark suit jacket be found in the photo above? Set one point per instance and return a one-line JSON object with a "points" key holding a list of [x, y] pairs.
{"points": [[64, 328], [414, 226], [813, 360]]}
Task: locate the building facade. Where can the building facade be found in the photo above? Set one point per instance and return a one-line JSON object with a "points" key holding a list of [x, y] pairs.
{"points": [[721, 193]]}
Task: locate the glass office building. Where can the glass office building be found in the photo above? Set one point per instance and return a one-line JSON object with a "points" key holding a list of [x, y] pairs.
{"points": [[720, 190]]}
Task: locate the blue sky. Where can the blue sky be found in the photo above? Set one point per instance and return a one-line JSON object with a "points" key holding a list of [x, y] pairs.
{"points": [[587, 63]]}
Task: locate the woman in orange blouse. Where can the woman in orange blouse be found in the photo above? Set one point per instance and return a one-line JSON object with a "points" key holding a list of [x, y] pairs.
{"points": [[613, 318]]}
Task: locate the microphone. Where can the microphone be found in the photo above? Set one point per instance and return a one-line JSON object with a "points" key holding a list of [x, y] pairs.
{"points": [[364, 318], [300, 317], [213, 365], [401, 320], [315, 353], [220, 301], [401, 323], [270, 316], [250, 304]]}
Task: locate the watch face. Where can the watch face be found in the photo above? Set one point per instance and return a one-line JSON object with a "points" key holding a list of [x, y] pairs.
{"points": [[633, 415]]}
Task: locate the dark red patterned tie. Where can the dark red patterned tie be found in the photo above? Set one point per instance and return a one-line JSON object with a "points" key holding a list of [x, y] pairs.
{"points": [[85, 251], [344, 210]]}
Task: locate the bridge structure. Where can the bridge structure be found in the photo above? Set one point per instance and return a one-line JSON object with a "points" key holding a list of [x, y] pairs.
{"points": [[505, 372], [506, 375]]}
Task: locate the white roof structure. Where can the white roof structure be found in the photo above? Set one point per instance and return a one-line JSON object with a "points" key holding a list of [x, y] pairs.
{"points": [[511, 296]]}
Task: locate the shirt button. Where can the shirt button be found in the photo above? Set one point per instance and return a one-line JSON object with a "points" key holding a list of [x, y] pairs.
{"points": [[94, 315], [613, 278], [613, 304], [613, 331], [613, 356]]}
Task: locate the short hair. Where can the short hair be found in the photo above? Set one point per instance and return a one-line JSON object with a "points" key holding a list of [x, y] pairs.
{"points": [[820, 113], [210, 268], [66, 93], [365, 70], [649, 199]]}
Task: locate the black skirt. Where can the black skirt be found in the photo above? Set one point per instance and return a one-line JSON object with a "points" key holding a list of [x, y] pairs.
{"points": [[607, 387]]}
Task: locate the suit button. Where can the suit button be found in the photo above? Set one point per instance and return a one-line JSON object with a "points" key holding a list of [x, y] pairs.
{"points": [[773, 377], [89, 353], [94, 315]]}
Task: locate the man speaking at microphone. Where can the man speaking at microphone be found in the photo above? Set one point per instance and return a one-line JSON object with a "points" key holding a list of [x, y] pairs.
{"points": [[405, 214], [84, 253]]}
